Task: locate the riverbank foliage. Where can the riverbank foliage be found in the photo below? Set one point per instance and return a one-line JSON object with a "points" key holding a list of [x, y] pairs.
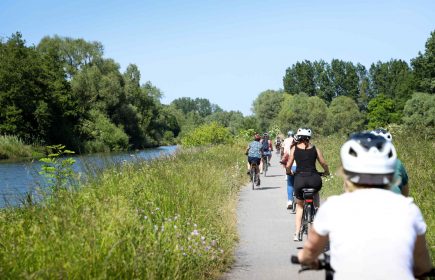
{"points": [[172, 218], [418, 157], [11, 147]]}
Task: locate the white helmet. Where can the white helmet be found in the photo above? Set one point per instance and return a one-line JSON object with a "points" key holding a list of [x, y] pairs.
{"points": [[290, 133], [368, 159], [384, 133], [303, 133]]}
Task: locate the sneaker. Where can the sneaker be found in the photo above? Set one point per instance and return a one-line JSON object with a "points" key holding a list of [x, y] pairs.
{"points": [[289, 204], [261, 171]]}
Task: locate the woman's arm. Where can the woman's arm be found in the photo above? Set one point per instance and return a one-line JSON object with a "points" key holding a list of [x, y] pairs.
{"points": [[422, 261], [322, 161], [312, 248], [291, 158]]}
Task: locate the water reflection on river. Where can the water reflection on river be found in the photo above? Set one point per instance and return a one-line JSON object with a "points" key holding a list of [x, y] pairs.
{"points": [[19, 178]]}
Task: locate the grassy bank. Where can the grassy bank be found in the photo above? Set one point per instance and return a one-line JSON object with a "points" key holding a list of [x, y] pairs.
{"points": [[169, 219], [417, 155], [11, 147]]}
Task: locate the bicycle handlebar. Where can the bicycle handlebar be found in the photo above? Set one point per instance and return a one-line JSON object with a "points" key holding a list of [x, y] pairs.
{"points": [[322, 264]]}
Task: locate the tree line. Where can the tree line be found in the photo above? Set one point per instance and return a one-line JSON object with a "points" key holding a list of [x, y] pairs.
{"points": [[65, 91], [342, 96]]}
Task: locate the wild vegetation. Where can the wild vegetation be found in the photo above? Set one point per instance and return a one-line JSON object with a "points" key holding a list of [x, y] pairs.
{"points": [[173, 218]]}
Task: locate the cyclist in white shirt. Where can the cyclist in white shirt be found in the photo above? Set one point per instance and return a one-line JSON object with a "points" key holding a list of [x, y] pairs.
{"points": [[373, 233]]}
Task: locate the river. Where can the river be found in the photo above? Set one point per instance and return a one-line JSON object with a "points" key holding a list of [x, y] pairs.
{"points": [[20, 178]]}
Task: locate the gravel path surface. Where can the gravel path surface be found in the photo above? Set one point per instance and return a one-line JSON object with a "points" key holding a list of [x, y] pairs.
{"points": [[266, 229]]}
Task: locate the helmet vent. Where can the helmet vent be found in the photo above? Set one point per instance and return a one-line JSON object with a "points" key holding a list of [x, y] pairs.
{"points": [[390, 154], [352, 152]]}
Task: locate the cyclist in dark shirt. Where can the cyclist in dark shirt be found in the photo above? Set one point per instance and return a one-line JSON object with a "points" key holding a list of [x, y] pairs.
{"points": [[306, 175]]}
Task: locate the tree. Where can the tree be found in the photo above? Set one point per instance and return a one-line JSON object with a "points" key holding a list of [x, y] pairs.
{"points": [[344, 79], [323, 84], [303, 111], [267, 106], [419, 114], [74, 53], [424, 67], [393, 79], [233, 120], [363, 87], [381, 112], [35, 99], [300, 78], [345, 116]]}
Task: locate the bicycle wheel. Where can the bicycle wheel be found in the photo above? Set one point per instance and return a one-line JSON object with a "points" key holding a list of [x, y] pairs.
{"points": [[266, 165]]}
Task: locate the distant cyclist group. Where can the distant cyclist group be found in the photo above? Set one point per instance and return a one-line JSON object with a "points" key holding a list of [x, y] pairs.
{"points": [[371, 231]]}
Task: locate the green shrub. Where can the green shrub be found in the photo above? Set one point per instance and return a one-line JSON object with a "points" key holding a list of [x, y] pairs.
{"points": [[207, 134], [419, 114], [11, 147], [105, 135]]}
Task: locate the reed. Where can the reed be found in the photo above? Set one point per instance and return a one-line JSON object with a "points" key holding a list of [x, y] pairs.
{"points": [[12, 147]]}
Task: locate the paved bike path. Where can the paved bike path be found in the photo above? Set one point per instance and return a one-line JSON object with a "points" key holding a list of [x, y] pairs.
{"points": [[266, 229]]}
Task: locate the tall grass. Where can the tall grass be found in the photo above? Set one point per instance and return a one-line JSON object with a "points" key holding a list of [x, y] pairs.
{"points": [[418, 157], [172, 218], [11, 147]]}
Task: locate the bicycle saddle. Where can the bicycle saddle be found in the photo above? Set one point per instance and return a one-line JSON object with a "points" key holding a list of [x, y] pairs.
{"points": [[308, 193]]}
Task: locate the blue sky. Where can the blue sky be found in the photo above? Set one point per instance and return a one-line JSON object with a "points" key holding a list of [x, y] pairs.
{"points": [[228, 51]]}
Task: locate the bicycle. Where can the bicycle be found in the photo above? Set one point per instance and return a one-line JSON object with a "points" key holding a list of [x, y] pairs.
{"points": [[278, 148], [308, 212], [253, 173], [323, 264]]}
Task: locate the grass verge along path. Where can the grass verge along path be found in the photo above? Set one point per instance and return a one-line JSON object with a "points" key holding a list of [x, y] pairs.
{"points": [[172, 218]]}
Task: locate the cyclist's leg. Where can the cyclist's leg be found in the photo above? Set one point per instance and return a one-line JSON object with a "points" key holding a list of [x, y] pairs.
{"points": [[298, 185], [298, 217], [290, 183]]}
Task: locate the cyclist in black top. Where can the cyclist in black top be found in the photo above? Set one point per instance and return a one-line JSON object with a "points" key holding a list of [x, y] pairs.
{"points": [[306, 175]]}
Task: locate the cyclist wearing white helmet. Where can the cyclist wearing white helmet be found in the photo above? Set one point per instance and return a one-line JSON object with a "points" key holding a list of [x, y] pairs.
{"points": [[288, 142], [383, 241], [399, 184], [306, 176]]}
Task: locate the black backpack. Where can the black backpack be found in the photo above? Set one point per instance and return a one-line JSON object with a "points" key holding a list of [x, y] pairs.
{"points": [[265, 145]]}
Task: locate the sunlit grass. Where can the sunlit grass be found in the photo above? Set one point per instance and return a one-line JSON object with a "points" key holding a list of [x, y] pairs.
{"points": [[418, 157], [11, 147], [172, 218]]}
